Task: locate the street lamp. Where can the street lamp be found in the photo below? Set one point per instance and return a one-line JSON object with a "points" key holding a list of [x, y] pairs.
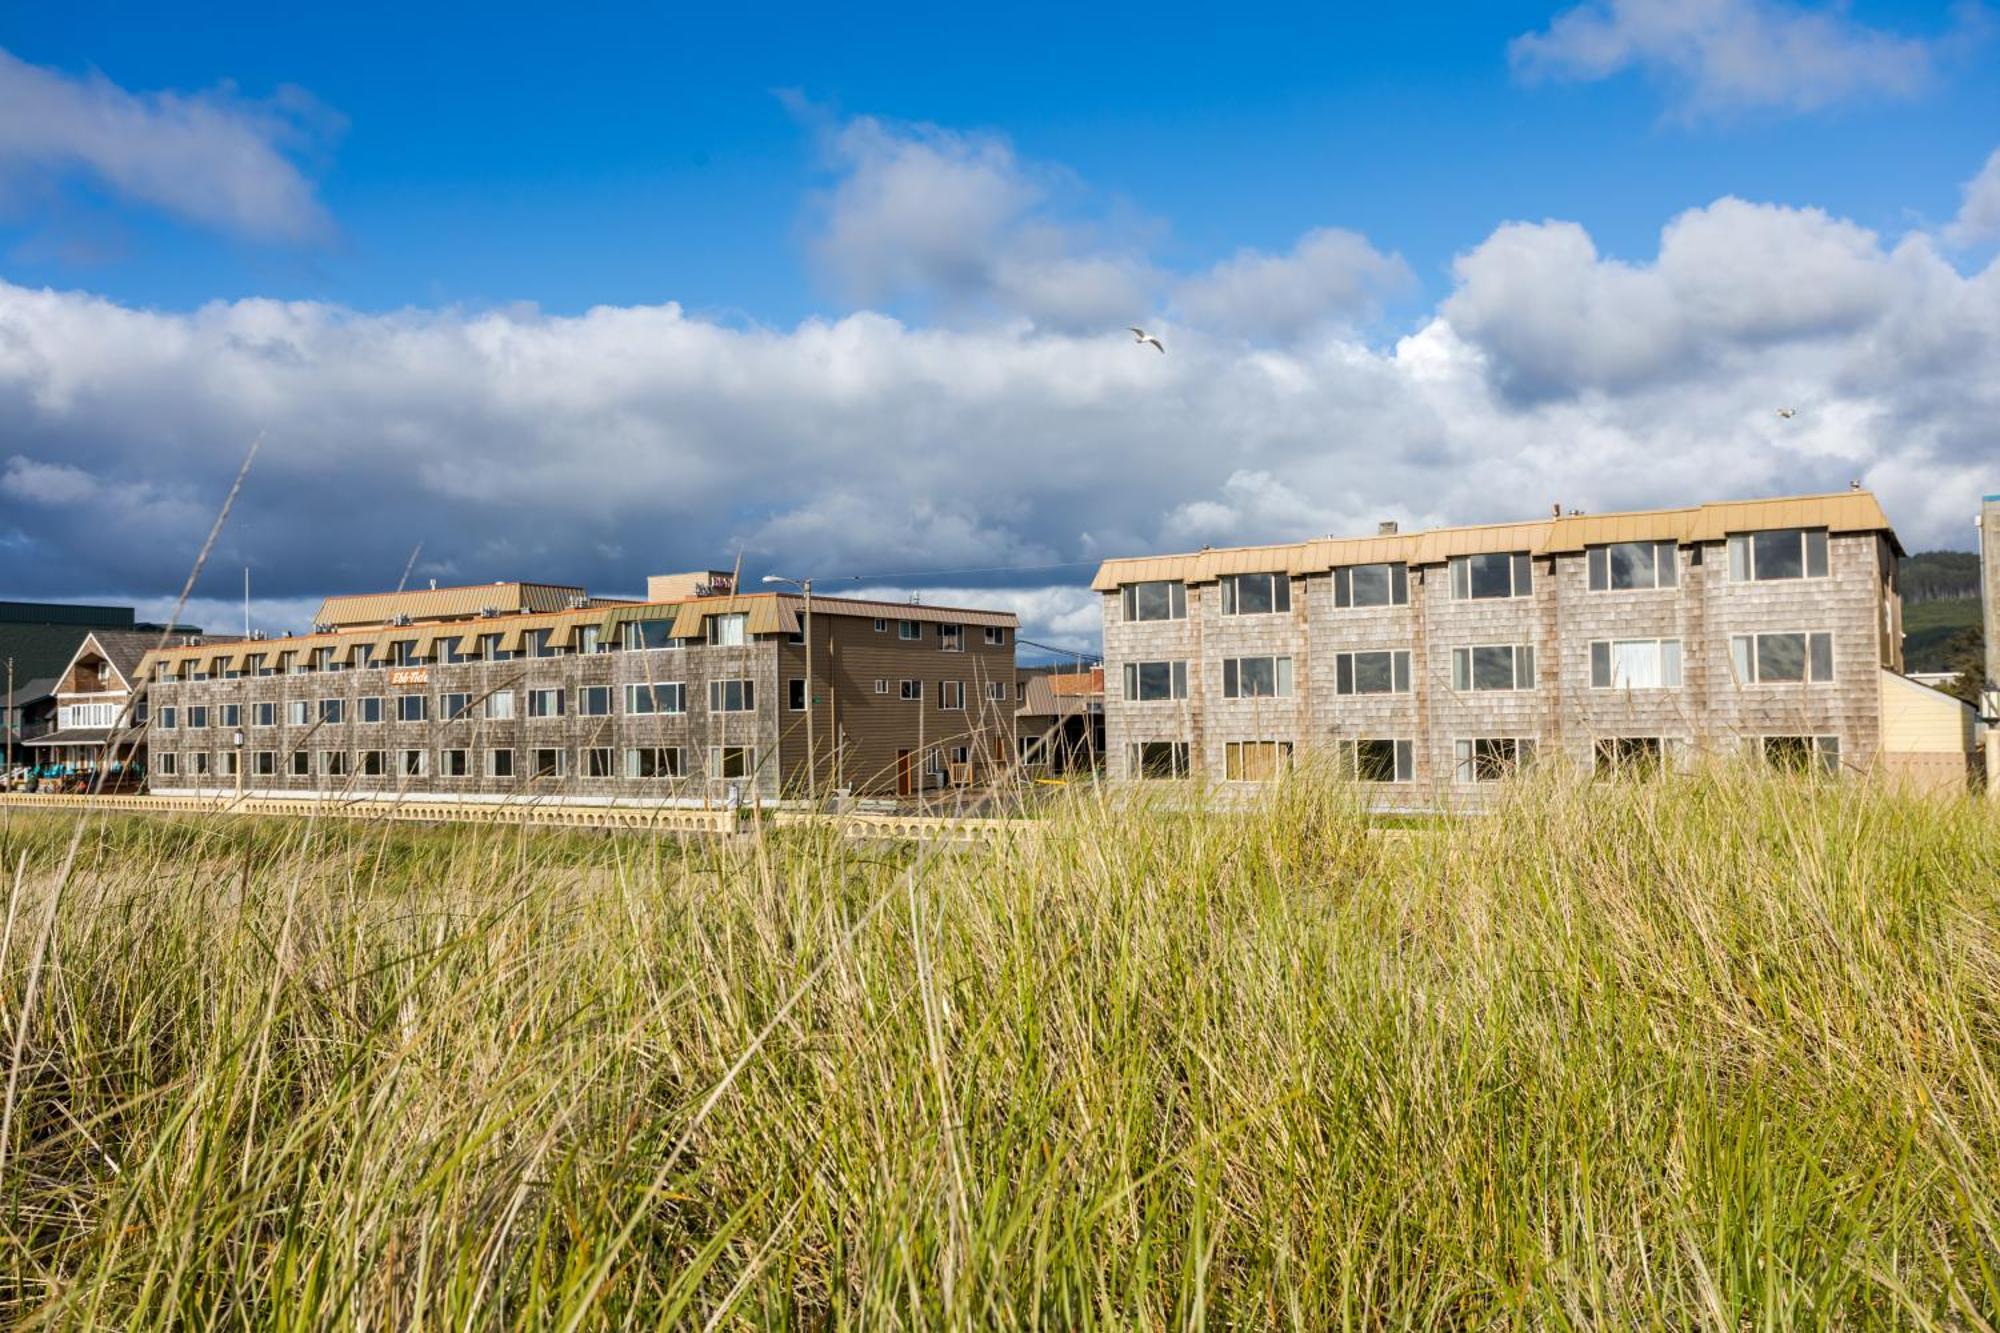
{"points": [[812, 749], [236, 741]]}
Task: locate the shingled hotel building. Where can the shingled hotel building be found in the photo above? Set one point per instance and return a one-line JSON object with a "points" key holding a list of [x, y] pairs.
{"points": [[511, 689], [1442, 660]]}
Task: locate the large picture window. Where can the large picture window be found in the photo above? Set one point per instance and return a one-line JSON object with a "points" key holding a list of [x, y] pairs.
{"points": [[1379, 759], [1256, 594], [1256, 677], [1794, 658], [1371, 585], [1495, 574], [1506, 666], [1155, 682], [1777, 553], [732, 696], [1633, 566], [1159, 759], [670, 697], [1158, 599], [1635, 664], [1383, 672], [654, 761]]}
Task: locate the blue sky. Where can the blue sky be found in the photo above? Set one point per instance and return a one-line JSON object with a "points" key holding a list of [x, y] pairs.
{"points": [[909, 240]]}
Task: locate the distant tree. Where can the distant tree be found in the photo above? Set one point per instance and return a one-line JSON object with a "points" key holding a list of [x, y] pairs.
{"points": [[1965, 653], [1930, 576]]}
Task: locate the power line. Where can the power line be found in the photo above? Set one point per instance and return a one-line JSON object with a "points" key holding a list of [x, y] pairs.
{"points": [[947, 573], [1065, 652]]}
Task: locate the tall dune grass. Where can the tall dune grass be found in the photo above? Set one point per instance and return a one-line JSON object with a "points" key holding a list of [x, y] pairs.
{"points": [[1707, 1052]]}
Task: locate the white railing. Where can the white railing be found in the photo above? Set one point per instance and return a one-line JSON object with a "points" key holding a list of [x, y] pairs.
{"points": [[78, 717]]}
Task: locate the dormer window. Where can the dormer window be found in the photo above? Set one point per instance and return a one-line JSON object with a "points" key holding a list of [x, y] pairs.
{"points": [[730, 631]]}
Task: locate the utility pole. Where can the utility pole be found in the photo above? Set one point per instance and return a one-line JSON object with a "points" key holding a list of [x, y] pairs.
{"points": [[11, 727], [812, 749]]}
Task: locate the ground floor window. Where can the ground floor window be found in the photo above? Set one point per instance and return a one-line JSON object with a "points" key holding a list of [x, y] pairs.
{"points": [[655, 761], [411, 764], [597, 762], [264, 763], [499, 763], [1256, 761], [229, 763], [301, 764], [1159, 759], [732, 761], [198, 764], [168, 765], [1632, 756], [545, 763], [1491, 758], [454, 763], [1800, 754], [1379, 759], [333, 763], [371, 763]]}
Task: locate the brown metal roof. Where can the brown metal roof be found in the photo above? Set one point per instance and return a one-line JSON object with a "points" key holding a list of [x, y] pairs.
{"points": [[1842, 511], [374, 608]]}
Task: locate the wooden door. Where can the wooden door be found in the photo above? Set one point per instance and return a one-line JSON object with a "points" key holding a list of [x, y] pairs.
{"points": [[905, 774]]}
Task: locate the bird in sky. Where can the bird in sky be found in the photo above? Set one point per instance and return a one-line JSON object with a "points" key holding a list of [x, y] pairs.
{"points": [[1141, 336], [1788, 412]]}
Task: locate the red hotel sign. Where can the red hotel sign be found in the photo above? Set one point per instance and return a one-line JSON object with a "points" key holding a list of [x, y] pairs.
{"points": [[410, 676]]}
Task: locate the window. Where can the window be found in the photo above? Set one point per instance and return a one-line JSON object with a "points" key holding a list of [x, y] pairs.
{"points": [[1383, 672], [996, 636], [588, 640], [795, 694], [951, 695], [1491, 758], [232, 715], [1159, 759], [1371, 585], [594, 701], [369, 708], [454, 706], [642, 700], [597, 762], [264, 763], [1158, 600], [490, 649], [996, 690], [1635, 664], [1801, 754], [333, 763], [911, 690], [500, 706], [881, 626], [167, 764], [732, 696], [1770, 659], [301, 764], [1630, 756], [1256, 761], [1151, 682], [1779, 553], [454, 763], [169, 718], [364, 656], [1256, 594], [545, 703], [881, 685], [1256, 677], [1631, 566], [447, 651], [951, 638], [654, 761], [92, 715], [1495, 574], [197, 717], [537, 644], [372, 765], [229, 761], [322, 659], [333, 711], [264, 715], [409, 708], [254, 664], [909, 629], [1379, 760], [499, 763], [728, 631], [411, 764], [732, 761], [403, 652], [1509, 666], [199, 761], [298, 712]]}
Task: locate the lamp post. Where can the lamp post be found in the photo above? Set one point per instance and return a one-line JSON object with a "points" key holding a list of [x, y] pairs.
{"points": [[812, 750], [236, 743], [9, 719]]}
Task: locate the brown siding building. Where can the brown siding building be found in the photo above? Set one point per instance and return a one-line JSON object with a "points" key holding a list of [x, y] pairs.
{"points": [[509, 690], [1437, 662]]}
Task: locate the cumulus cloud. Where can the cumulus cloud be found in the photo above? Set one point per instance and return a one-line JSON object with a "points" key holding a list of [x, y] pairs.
{"points": [[1724, 55], [1331, 276], [213, 158], [1978, 219]]}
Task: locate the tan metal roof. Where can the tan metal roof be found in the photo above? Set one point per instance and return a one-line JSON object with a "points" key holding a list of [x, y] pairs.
{"points": [[373, 608], [1842, 511]]}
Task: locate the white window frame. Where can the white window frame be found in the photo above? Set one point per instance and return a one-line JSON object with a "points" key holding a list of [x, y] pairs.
{"points": [[1402, 759], [910, 691], [951, 637], [538, 701], [1815, 548], [1520, 576], [996, 636], [716, 764], [1280, 593], [729, 629], [584, 695], [561, 770], [673, 771], [909, 631], [951, 696], [654, 693], [1664, 555], [1520, 668], [1177, 681], [1133, 613], [1284, 754], [1746, 657], [1822, 752], [1178, 765], [1347, 672], [1669, 661], [745, 692], [1396, 571], [1281, 677], [499, 706], [1469, 768], [491, 765]]}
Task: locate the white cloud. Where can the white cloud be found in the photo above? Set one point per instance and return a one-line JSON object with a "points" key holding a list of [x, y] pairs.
{"points": [[1331, 277], [211, 157], [1978, 219], [1723, 55]]}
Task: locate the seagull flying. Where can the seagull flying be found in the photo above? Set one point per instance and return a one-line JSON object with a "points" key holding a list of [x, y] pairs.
{"points": [[1141, 336], [1788, 412]]}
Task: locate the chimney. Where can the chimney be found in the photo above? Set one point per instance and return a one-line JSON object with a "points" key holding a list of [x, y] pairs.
{"points": [[1386, 528], [1556, 509]]}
